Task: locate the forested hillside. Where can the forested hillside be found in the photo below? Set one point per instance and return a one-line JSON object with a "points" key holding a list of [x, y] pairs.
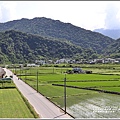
{"points": [[113, 50], [18, 47], [56, 29], [27, 40]]}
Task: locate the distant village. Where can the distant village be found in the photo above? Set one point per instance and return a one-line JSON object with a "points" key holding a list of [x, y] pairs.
{"points": [[70, 61]]}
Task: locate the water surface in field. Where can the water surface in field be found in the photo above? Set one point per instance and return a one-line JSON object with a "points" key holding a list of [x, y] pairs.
{"points": [[101, 106]]}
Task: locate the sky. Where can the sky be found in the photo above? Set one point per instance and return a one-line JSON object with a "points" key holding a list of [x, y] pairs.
{"points": [[89, 15]]}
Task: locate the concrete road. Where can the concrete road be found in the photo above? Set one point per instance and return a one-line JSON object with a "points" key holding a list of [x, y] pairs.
{"points": [[42, 106]]}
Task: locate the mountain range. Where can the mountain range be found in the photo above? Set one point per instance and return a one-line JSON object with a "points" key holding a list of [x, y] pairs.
{"points": [[26, 40], [112, 33], [21, 47]]}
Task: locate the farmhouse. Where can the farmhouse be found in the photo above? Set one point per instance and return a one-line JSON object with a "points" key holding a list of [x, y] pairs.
{"points": [[40, 62], [77, 70], [32, 65]]}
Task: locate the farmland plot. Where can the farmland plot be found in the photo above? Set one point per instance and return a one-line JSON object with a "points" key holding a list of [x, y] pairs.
{"points": [[99, 106], [81, 103], [114, 89], [12, 105]]}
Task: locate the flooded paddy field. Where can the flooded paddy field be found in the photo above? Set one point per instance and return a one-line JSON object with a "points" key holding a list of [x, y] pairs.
{"points": [[101, 105]]}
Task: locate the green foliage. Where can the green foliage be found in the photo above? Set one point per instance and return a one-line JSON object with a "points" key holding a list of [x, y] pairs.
{"points": [[56, 40], [18, 47], [113, 50], [52, 39]]}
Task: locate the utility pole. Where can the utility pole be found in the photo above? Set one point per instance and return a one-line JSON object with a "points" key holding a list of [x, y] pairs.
{"points": [[37, 80], [53, 69], [65, 92], [15, 69], [25, 75], [20, 72]]}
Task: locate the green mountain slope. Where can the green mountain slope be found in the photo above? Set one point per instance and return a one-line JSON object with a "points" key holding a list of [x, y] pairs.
{"points": [[18, 47], [113, 50], [56, 29]]}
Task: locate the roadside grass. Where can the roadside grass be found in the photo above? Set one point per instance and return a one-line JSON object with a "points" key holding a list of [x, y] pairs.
{"points": [[34, 113], [12, 105]]}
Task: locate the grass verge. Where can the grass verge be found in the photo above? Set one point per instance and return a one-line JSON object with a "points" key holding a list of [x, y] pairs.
{"points": [[30, 107]]}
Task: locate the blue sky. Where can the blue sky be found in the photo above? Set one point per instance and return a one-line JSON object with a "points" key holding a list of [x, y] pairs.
{"points": [[86, 14]]}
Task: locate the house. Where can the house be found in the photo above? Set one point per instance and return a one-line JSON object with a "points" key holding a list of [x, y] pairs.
{"points": [[32, 65], [40, 62], [61, 61], [77, 70], [109, 60]]}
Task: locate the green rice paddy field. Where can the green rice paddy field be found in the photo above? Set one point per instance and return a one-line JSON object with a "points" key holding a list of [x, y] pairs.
{"points": [[12, 104], [81, 103]]}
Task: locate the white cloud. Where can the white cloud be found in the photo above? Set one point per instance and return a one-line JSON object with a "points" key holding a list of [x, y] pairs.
{"points": [[7, 10], [112, 20], [86, 14]]}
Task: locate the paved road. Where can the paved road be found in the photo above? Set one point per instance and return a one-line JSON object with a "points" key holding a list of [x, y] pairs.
{"points": [[42, 106]]}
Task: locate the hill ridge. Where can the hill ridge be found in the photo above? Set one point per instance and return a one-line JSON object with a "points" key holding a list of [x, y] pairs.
{"points": [[48, 27]]}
